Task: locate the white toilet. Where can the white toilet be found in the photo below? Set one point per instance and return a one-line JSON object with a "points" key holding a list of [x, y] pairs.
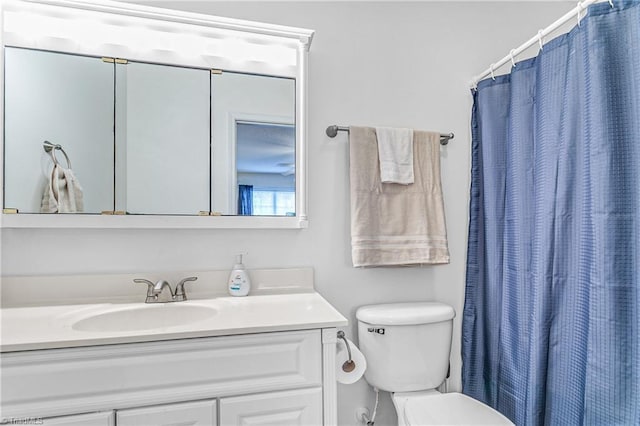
{"points": [[407, 348]]}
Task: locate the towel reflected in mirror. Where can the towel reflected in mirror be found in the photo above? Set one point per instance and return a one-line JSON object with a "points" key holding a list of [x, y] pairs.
{"points": [[63, 193]]}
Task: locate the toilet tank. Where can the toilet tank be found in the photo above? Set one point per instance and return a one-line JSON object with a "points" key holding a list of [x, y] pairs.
{"points": [[406, 345]]}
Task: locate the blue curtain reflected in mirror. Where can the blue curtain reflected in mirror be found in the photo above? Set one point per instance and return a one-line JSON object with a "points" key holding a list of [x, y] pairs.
{"points": [[245, 200]]}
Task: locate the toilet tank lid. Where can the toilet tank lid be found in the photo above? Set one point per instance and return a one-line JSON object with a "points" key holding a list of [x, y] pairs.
{"points": [[405, 313]]}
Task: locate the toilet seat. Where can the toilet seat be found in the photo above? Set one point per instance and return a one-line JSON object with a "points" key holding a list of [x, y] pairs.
{"points": [[434, 408]]}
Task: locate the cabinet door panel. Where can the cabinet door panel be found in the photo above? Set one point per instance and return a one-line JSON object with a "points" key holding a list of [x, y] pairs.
{"points": [[105, 418], [290, 408], [55, 382], [200, 413], [164, 131]]}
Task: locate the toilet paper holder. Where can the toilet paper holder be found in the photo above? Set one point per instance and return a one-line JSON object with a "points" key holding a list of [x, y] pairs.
{"points": [[348, 365]]}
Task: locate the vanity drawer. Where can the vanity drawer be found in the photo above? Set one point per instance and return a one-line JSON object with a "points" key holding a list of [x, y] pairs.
{"points": [[65, 381]]}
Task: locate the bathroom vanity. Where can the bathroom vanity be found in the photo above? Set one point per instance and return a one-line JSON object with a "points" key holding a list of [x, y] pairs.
{"points": [[268, 358], [126, 93]]}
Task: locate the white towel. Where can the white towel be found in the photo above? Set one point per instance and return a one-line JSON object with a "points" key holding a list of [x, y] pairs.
{"points": [[63, 193], [396, 224], [395, 149]]}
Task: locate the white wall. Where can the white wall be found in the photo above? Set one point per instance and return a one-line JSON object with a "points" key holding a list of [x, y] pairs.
{"points": [[371, 63]]}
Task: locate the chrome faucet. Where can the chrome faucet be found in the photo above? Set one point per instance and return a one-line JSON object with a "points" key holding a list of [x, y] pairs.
{"points": [[155, 290], [159, 286]]}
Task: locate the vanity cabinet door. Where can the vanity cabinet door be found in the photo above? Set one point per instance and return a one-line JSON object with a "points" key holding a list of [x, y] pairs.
{"points": [[200, 413], [105, 418], [301, 407]]}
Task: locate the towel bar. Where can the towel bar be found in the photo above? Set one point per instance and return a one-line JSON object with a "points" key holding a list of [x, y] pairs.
{"points": [[333, 130]]}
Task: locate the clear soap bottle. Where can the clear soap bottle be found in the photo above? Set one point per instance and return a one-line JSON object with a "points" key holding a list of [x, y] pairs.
{"points": [[239, 282]]}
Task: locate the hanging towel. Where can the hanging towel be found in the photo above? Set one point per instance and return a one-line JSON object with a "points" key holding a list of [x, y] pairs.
{"points": [[395, 149], [396, 224], [63, 193]]}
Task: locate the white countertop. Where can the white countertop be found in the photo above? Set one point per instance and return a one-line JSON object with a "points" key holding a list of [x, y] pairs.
{"points": [[48, 327]]}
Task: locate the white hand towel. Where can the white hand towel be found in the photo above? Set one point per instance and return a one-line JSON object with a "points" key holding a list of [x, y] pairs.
{"points": [[395, 150], [393, 225], [63, 193]]}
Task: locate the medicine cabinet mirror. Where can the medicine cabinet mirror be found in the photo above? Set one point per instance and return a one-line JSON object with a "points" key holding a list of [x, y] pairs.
{"points": [[150, 143]]}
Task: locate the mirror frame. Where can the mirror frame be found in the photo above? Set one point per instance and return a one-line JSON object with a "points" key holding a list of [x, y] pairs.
{"points": [[224, 31]]}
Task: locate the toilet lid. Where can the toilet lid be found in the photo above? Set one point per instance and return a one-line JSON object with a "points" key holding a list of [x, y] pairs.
{"points": [[451, 409]]}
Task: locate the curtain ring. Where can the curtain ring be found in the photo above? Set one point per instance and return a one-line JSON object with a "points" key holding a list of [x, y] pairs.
{"points": [[513, 62], [579, 12], [540, 39], [493, 77]]}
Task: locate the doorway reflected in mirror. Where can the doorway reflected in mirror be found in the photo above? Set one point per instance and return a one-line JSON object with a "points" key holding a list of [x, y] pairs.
{"points": [[265, 167]]}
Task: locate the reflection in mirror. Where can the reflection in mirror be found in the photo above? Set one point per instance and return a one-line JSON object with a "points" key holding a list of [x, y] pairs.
{"points": [[252, 113], [67, 100], [163, 130], [265, 163], [146, 138]]}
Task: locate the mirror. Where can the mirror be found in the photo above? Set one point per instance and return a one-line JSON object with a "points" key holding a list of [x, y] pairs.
{"points": [[162, 126], [247, 111], [67, 100], [145, 138]]}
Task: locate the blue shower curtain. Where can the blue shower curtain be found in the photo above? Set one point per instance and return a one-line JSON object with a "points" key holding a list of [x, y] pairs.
{"points": [[551, 324]]}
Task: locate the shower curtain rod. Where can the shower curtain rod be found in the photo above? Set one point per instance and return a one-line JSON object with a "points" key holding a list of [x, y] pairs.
{"points": [[576, 12], [332, 131]]}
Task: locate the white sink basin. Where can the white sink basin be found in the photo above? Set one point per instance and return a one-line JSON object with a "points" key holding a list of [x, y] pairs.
{"points": [[145, 317]]}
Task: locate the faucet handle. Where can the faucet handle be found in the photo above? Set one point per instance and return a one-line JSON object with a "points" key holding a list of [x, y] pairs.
{"points": [[181, 294], [150, 295]]}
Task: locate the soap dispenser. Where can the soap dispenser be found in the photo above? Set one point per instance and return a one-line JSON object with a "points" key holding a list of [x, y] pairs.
{"points": [[239, 282]]}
